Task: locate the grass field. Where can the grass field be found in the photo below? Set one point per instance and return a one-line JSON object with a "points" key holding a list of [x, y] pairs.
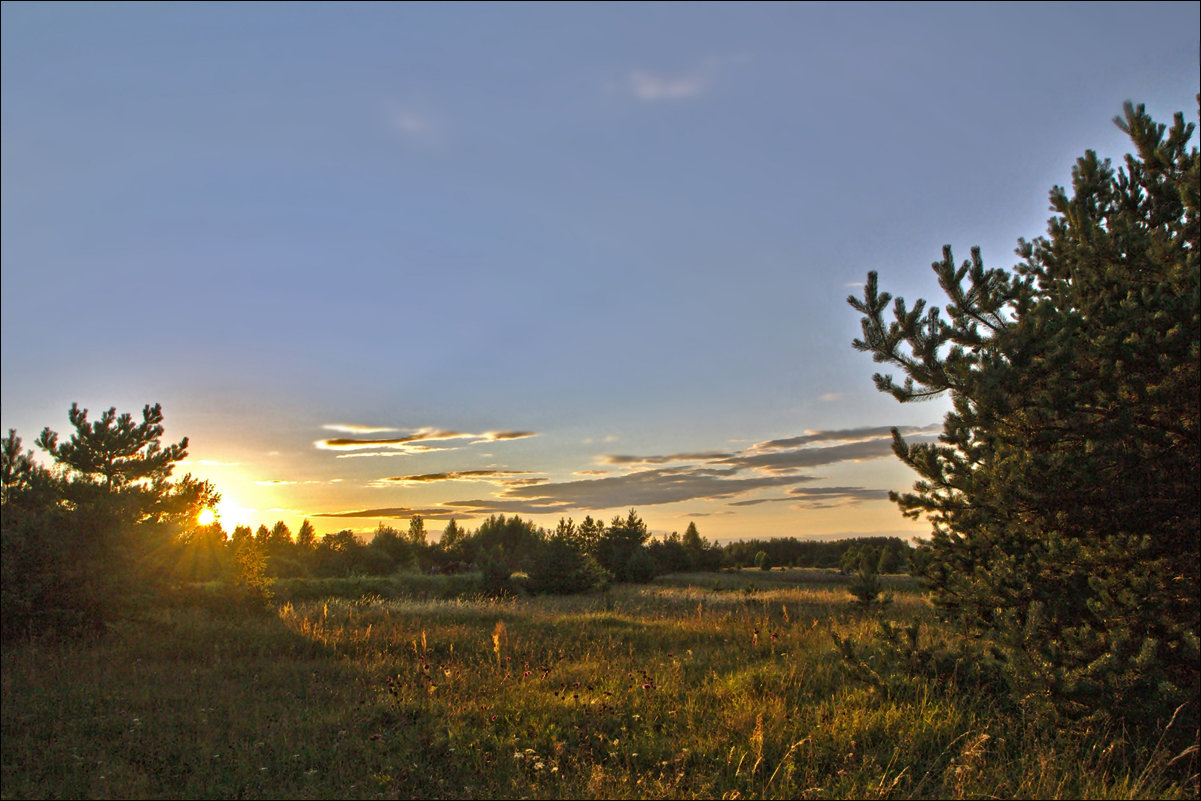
{"points": [[708, 685]]}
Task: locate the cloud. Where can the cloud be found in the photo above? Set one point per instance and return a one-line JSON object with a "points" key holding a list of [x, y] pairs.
{"points": [[525, 482], [702, 456], [641, 488], [408, 442], [653, 88], [428, 513], [497, 436], [456, 475], [414, 125], [792, 453], [734, 477], [820, 497], [352, 443], [355, 428], [406, 452], [506, 506], [861, 434]]}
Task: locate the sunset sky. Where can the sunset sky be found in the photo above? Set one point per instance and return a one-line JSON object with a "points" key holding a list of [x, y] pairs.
{"points": [[538, 259]]}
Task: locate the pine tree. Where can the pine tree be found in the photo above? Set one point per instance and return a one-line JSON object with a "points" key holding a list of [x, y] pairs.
{"points": [[113, 451], [104, 529], [621, 543], [1063, 491], [559, 565]]}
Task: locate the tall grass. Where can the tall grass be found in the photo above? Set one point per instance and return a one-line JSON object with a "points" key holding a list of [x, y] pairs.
{"points": [[683, 688]]}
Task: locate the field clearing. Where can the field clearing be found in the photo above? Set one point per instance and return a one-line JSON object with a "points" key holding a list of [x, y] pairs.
{"points": [[706, 685]]}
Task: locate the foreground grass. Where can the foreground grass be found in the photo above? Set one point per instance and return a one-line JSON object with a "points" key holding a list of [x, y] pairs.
{"points": [[704, 686]]}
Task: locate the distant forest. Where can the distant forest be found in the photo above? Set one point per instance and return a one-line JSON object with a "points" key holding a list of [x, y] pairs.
{"points": [[623, 550]]}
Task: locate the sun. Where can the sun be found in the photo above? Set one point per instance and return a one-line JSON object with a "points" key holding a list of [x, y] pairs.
{"points": [[206, 517], [232, 513]]}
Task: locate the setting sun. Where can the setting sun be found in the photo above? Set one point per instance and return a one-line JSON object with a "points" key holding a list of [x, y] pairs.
{"points": [[206, 517], [233, 514]]}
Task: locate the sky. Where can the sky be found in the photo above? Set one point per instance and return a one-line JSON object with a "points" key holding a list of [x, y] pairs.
{"points": [[547, 259]]}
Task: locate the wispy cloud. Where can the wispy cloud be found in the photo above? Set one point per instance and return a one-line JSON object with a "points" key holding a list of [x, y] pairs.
{"points": [[414, 125], [654, 88], [411, 442], [735, 477], [642, 488], [861, 434], [495, 476], [408, 450], [820, 497], [497, 436], [398, 512], [355, 428], [525, 482], [702, 456]]}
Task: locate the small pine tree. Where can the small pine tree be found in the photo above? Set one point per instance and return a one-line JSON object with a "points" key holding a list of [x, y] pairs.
{"points": [[866, 586], [559, 567]]}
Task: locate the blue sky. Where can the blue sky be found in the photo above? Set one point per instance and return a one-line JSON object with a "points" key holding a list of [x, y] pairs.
{"points": [[357, 250]]}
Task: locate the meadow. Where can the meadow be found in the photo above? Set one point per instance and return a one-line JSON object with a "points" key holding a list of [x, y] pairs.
{"points": [[725, 685]]}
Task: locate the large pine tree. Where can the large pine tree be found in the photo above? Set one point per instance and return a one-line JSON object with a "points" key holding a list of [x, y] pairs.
{"points": [[1063, 493]]}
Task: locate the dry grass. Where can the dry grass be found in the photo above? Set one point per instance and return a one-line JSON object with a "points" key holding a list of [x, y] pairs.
{"points": [[679, 689]]}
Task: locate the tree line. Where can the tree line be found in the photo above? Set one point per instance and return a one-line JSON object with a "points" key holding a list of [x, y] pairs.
{"points": [[581, 555]]}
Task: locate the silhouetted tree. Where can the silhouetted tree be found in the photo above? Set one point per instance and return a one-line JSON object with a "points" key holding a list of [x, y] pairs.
{"points": [[559, 566], [508, 540], [306, 537], [590, 532], [623, 539], [103, 530], [417, 530]]}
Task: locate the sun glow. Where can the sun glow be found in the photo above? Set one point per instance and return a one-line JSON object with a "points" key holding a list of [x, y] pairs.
{"points": [[232, 514], [206, 517]]}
